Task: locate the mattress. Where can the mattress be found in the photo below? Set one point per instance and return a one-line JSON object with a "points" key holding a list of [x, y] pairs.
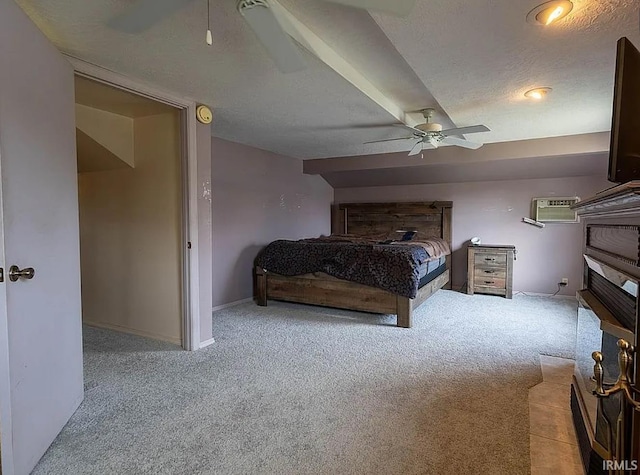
{"points": [[429, 266], [430, 270]]}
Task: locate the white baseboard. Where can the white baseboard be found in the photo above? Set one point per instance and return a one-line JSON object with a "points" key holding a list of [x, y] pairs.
{"points": [[232, 304], [459, 288], [206, 343], [536, 294], [132, 331]]}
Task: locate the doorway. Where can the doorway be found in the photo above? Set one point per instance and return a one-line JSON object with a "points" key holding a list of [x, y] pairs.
{"points": [[130, 202], [41, 371], [196, 198]]}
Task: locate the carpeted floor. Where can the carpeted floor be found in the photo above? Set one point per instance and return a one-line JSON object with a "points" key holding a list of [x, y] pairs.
{"points": [[293, 389]]}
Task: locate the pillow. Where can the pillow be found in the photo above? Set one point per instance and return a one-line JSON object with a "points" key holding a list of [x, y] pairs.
{"points": [[401, 235]]}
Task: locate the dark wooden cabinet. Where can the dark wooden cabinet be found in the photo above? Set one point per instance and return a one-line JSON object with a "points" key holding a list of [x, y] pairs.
{"points": [[490, 270]]}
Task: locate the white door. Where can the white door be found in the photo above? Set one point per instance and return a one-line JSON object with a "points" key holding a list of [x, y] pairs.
{"points": [[40, 318]]}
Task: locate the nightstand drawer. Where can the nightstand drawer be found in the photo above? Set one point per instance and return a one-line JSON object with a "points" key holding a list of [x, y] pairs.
{"points": [[487, 272], [490, 270], [491, 259], [493, 291], [493, 282]]}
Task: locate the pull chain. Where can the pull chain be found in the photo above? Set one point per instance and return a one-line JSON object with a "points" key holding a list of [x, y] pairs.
{"points": [[209, 36]]}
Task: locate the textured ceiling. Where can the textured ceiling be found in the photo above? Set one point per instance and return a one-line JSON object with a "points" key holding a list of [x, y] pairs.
{"points": [[478, 58], [472, 58]]}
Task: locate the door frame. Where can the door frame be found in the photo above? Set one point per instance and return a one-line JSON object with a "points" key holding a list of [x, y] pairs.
{"points": [[6, 429], [190, 248]]}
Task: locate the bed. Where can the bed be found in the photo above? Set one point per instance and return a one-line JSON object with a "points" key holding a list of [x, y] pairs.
{"points": [[427, 219]]}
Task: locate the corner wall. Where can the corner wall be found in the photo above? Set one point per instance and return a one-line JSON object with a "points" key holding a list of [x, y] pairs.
{"points": [[130, 236], [493, 211], [258, 197]]}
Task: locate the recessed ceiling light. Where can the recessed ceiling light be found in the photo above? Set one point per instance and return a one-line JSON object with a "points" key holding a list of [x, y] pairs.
{"points": [[538, 93], [550, 12]]}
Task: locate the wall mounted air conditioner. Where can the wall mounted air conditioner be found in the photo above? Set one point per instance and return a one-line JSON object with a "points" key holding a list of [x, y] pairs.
{"points": [[555, 209]]}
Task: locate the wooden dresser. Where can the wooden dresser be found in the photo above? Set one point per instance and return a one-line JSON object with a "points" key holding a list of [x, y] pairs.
{"points": [[607, 427], [490, 270]]}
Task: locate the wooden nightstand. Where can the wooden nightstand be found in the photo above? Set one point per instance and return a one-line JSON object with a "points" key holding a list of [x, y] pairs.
{"points": [[490, 270]]}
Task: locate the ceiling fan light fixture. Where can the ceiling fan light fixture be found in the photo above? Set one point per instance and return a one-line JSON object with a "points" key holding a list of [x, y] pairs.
{"points": [[538, 93], [548, 13], [430, 135]]}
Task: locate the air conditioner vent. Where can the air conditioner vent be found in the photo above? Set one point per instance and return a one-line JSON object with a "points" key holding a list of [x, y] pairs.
{"points": [[555, 210], [561, 202]]}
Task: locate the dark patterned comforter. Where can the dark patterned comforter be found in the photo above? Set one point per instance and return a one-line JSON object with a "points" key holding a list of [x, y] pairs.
{"points": [[391, 267]]}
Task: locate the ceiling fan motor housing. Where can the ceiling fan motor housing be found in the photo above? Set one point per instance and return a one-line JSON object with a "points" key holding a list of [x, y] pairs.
{"points": [[430, 127]]}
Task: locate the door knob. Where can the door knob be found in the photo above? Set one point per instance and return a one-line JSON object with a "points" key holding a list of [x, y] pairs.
{"points": [[15, 273]]}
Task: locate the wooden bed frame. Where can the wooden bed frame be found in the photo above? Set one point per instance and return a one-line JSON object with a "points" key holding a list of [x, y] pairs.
{"points": [[429, 219]]}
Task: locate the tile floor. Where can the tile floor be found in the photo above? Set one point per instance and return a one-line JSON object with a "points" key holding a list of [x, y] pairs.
{"points": [[554, 445]]}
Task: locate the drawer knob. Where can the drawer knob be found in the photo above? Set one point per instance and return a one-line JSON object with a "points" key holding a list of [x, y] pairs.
{"points": [[489, 282], [489, 272], [489, 259]]}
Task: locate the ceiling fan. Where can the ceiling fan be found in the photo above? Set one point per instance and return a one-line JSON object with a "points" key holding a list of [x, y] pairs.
{"points": [[430, 135], [261, 16]]}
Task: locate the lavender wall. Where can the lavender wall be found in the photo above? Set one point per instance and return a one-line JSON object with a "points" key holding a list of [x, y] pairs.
{"points": [[258, 197], [203, 147], [493, 211]]}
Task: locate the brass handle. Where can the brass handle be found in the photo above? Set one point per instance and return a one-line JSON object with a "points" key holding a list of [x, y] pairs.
{"points": [[15, 273], [623, 384], [598, 372]]}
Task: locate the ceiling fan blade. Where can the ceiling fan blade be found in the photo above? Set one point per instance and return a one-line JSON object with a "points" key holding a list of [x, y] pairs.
{"points": [[461, 143], [416, 149], [395, 7], [405, 126], [353, 126], [474, 129], [280, 46], [143, 14], [430, 146], [390, 140]]}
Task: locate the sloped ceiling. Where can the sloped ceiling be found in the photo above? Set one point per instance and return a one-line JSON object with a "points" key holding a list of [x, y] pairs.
{"points": [[557, 166], [94, 156], [113, 131], [574, 155], [105, 125]]}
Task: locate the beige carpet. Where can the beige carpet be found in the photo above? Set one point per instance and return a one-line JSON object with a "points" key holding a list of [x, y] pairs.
{"points": [[293, 389]]}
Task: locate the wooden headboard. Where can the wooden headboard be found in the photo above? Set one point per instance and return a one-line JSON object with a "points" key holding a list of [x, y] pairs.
{"points": [[429, 219]]}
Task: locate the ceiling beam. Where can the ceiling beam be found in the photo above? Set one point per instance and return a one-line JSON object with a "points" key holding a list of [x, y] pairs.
{"points": [[561, 166], [577, 145], [318, 47]]}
